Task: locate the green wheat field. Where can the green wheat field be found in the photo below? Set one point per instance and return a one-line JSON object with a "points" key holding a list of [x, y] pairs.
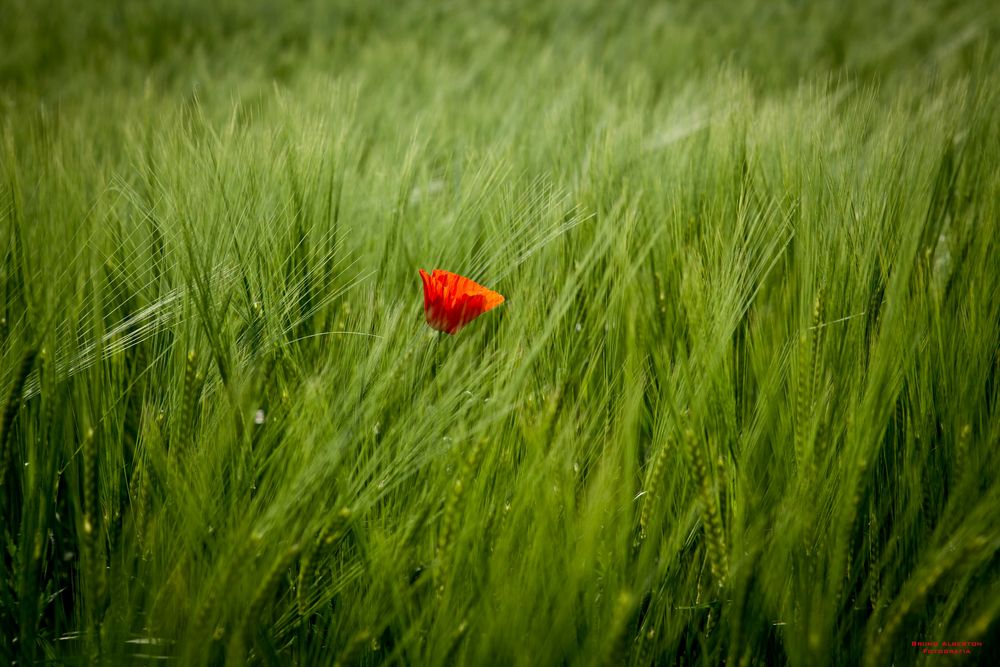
{"points": [[741, 405]]}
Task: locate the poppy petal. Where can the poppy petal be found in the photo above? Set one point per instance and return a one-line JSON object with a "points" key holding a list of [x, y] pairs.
{"points": [[451, 301]]}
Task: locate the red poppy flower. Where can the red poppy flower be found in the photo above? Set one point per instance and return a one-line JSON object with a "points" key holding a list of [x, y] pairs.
{"points": [[451, 301]]}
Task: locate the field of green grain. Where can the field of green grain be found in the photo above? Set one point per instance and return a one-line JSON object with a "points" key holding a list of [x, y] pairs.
{"points": [[741, 405]]}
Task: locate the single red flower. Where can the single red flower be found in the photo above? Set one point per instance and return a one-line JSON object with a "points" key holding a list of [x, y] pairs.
{"points": [[451, 301]]}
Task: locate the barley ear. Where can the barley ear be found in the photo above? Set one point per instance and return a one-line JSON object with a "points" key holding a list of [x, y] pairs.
{"points": [[710, 514], [11, 407]]}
